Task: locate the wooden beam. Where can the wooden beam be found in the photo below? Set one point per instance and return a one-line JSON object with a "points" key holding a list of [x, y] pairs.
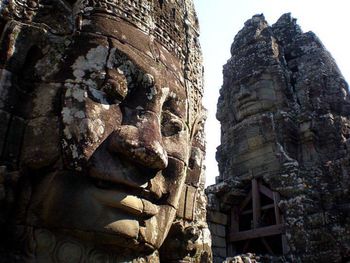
{"points": [[276, 199], [246, 200], [256, 203], [265, 207], [234, 219], [266, 191], [256, 233]]}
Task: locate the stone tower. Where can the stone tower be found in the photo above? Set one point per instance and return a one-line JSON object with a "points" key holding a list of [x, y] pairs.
{"points": [[101, 132], [284, 158]]}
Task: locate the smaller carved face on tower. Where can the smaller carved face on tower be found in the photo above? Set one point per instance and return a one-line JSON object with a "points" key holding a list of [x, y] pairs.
{"points": [[254, 97]]}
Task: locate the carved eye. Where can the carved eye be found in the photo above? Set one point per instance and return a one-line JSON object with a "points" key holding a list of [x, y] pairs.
{"points": [[171, 125]]}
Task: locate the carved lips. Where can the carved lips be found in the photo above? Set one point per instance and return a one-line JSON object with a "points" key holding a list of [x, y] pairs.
{"points": [[122, 185], [129, 203]]}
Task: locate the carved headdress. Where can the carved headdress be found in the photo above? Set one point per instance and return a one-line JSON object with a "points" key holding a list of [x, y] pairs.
{"points": [[162, 19]]}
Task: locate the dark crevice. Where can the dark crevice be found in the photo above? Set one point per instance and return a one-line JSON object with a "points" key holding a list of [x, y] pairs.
{"points": [[289, 56], [294, 71], [26, 75], [173, 13], [3, 151], [2, 26]]}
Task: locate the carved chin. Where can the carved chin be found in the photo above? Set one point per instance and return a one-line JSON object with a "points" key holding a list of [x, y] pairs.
{"points": [[75, 205]]}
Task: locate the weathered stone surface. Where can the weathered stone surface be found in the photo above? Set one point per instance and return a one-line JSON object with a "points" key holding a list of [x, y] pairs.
{"points": [[101, 134], [218, 230], [41, 145], [285, 119], [253, 258], [219, 241], [220, 252], [4, 118], [217, 217]]}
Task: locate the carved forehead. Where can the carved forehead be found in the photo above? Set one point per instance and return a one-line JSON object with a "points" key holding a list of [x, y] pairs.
{"points": [[132, 42], [164, 20], [257, 80]]}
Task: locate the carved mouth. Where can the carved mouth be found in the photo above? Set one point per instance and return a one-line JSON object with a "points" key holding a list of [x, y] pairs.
{"points": [[247, 107], [125, 185], [245, 104], [128, 202], [135, 201]]}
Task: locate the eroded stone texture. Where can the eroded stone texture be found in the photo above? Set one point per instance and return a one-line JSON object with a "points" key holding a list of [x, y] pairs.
{"points": [[284, 113], [101, 132]]}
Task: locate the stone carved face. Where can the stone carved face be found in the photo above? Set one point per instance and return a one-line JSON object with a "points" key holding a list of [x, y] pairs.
{"points": [[252, 98], [125, 135], [253, 141]]}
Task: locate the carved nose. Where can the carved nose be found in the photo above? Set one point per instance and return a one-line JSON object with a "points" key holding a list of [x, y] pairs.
{"points": [[243, 92], [141, 142]]}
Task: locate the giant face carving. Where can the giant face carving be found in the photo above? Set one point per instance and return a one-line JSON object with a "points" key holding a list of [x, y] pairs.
{"points": [[253, 97], [125, 137], [255, 101]]}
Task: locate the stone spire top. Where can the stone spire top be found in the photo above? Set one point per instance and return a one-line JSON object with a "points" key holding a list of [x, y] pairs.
{"points": [[250, 32], [253, 51]]}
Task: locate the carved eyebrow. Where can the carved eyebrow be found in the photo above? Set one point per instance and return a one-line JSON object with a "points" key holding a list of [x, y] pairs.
{"points": [[168, 112], [167, 105], [101, 97]]}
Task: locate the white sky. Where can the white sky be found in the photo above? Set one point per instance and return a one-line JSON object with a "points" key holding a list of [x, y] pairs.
{"points": [[220, 20]]}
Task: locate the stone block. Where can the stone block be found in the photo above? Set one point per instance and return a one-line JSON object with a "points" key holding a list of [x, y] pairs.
{"points": [[190, 202], [46, 96], [218, 259], [264, 150], [218, 230], [217, 217], [4, 120], [221, 230], [220, 252], [5, 85], [213, 202], [212, 228], [218, 241], [12, 147], [41, 145], [187, 202], [195, 167], [181, 208]]}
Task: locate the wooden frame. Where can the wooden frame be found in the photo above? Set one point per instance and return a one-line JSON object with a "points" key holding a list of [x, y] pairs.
{"points": [[256, 233], [257, 230]]}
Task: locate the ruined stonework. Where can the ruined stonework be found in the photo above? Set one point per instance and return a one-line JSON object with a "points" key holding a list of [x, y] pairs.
{"points": [[284, 158], [101, 132]]}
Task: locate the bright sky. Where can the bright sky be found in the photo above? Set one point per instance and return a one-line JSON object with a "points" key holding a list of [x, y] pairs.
{"points": [[220, 20]]}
